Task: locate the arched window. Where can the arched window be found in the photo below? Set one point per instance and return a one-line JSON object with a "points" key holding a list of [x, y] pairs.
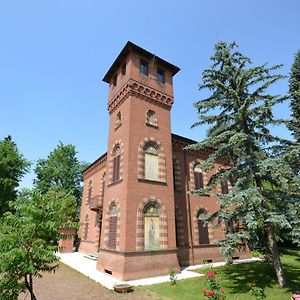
{"points": [[151, 161], [202, 229], [151, 226], [113, 218], [198, 177], [224, 187], [151, 118], [90, 190], [86, 227], [118, 120], [116, 163]]}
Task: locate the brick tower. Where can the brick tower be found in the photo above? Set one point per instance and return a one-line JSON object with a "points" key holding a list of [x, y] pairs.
{"points": [[138, 236]]}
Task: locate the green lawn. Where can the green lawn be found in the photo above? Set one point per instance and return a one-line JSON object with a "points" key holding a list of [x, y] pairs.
{"points": [[237, 279]]}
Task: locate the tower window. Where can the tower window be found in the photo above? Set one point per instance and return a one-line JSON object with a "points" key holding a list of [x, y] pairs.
{"points": [[118, 120], [123, 69], [114, 80], [113, 219], [116, 163], [151, 161], [160, 75], [144, 67], [151, 118]]}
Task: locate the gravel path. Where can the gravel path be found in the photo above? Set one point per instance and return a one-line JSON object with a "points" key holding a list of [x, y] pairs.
{"points": [[68, 284]]}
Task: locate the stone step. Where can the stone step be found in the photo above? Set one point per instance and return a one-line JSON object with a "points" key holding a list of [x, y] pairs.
{"points": [[92, 256]]}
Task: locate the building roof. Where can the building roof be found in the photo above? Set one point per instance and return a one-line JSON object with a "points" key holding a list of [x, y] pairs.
{"points": [[135, 48]]}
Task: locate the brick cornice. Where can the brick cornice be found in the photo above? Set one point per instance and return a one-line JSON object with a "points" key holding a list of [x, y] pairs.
{"points": [[141, 91]]}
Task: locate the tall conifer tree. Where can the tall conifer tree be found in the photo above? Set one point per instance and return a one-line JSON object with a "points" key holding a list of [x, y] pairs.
{"points": [[239, 114]]}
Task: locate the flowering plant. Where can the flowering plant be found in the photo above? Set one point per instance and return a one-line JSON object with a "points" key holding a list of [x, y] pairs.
{"points": [[215, 291], [295, 297]]}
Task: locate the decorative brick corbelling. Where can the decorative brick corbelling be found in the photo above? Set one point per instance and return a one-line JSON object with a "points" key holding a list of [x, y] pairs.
{"points": [[141, 91]]}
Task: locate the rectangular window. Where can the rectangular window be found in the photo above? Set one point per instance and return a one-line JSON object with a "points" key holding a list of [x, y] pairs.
{"points": [[123, 69], [112, 235], [198, 180], [203, 233], [160, 75], [151, 166], [224, 187], [144, 67]]}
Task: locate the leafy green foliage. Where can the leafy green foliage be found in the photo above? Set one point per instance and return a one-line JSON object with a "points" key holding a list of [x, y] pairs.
{"points": [[28, 238], [265, 190], [294, 88], [12, 167], [61, 169]]}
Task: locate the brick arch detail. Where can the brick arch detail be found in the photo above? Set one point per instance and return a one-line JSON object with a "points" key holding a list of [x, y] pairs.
{"points": [[162, 173], [111, 160], [86, 227], [106, 219], [179, 226], [163, 223], [90, 184], [192, 178], [209, 225], [177, 174]]}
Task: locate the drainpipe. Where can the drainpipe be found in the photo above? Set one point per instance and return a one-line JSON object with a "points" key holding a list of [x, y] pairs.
{"points": [[188, 209]]}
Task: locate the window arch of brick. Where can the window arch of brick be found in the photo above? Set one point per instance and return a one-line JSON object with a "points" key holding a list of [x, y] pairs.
{"points": [[102, 186], [85, 231], [176, 174], [163, 223], [151, 118], [116, 162], [197, 176], [203, 234], [180, 237], [113, 210], [162, 175], [89, 192]]}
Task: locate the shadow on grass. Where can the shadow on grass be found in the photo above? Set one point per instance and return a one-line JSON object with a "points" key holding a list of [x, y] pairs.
{"points": [[241, 277]]}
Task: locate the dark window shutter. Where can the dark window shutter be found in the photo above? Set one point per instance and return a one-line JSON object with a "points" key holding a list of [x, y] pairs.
{"points": [[116, 168], [112, 238], [224, 187], [198, 180], [203, 233]]}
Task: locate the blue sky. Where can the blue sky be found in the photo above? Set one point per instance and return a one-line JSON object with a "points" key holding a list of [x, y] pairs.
{"points": [[54, 54]]}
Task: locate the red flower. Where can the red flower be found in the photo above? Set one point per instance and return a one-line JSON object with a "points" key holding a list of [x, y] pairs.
{"points": [[204, 292], [222, 290], [210, 293], [211, 274]]}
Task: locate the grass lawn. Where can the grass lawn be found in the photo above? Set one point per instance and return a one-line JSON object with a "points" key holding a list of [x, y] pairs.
{"points": [[237, 281]]}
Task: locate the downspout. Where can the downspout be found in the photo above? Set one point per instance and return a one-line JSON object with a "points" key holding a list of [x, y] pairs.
{"points": [[186, 171]]}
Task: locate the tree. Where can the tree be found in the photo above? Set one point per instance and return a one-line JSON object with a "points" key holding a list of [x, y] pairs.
{"points": [[294, 89], [61, 169], [239, 114], [12, 167], [28, 238]]}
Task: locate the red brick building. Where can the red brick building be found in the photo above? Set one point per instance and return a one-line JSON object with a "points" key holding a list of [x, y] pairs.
{"points": [[136, 210]]}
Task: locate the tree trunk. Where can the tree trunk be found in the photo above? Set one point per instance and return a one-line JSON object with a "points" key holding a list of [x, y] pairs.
{"points": [[29, 286], [275, 254]]}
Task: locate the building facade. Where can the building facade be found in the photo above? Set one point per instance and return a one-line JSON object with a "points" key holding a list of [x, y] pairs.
{"points": [[137, 212]]}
